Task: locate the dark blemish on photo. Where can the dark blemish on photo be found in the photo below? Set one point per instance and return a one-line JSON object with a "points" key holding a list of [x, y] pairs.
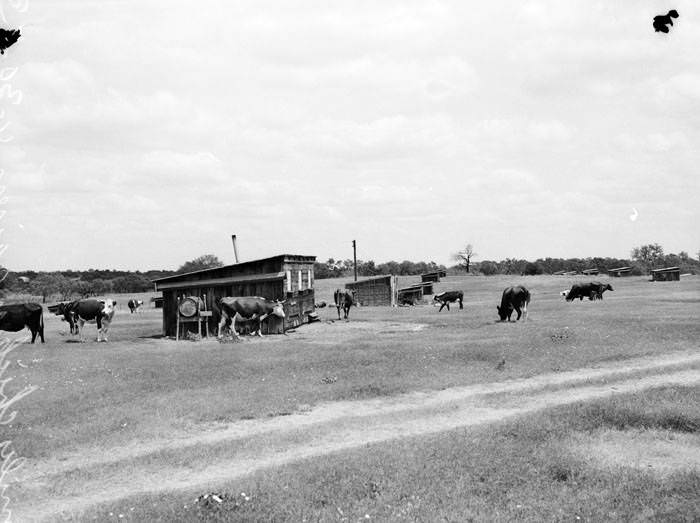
{"points": [[662, 22], [7, 38]]}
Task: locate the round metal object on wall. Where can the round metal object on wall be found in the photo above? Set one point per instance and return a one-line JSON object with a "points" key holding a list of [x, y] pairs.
{"points": [[189, 307]]}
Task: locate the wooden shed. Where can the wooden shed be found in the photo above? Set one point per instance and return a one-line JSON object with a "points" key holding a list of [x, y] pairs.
{"points": [[590, 272], [284, 277], [410, 295], [433, 276], [667, 274], [374, 291], [620, 271]]}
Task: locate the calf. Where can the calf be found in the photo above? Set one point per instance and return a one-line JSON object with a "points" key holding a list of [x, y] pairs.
{"points": [[445, 298], [247, 307], [134, 305], [343, 299], [514, 298], [16, 317]]}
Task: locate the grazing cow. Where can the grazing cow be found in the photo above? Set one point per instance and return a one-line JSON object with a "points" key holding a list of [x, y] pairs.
{"points": [[343, 299], [591, 290], [249, 308], [134, 305], [514, 298], [17, 316], [79, 312], [445, 298]]}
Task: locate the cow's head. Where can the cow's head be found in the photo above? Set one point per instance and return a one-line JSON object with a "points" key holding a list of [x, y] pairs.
{"points": [[503, 312], [278, 309], [607, 287], [108, 308]]}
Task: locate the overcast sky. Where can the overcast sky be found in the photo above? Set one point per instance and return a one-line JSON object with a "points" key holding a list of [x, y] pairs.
{"points": [[149, 131]]}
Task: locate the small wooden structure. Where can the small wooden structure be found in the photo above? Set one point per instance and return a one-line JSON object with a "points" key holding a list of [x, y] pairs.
{"points": [[374, 291], [620, 271], [433, 276], [285, 277], [666, 274], [157, 302], [559, 273], [410, 295], [192, 309], [590, 272]]}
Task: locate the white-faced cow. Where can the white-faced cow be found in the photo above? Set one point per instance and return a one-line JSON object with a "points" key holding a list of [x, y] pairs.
{"points": [[249, 308], [592, 290], [445, 298], [134, 305], [343, 300], [16, 317], [514, 298], [78, 313]]}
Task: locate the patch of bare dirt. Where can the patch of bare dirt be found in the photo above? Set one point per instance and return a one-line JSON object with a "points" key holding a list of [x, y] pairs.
{"points": [[659, 451]]}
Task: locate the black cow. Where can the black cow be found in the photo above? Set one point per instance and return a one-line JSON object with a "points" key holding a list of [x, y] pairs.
{"points": [[246, 307], [592, 290], [17, 316], [79, 312], [134, 305], [445, 298], [514, 298], [343, 299]]}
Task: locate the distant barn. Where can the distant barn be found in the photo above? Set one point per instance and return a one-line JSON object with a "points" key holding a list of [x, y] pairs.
{"points": [[284, 277], [433, 276], [620, 271], [374, 291], [667, 274], [590, 272]]}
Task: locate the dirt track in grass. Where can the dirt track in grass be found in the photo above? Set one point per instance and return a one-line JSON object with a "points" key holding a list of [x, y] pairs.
{"points": [[68, 484]]}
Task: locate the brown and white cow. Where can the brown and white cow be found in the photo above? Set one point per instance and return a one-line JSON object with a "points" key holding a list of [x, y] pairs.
{"points": [[134, 305], [249, 308], [78, 313]]}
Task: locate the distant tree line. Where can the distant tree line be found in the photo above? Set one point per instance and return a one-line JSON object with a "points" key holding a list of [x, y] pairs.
{"points": [[642, 259], [337, 268], [69, 284]]}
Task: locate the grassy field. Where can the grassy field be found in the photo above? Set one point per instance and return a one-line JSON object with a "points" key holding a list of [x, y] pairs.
{"points": [[549, 467], [139, 387]]}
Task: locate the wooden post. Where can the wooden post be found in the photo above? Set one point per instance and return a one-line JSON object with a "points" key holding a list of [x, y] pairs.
{"points": [[354, 257]]}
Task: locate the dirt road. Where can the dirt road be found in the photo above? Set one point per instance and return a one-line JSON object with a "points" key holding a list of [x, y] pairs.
{"points": [[229, 451]]}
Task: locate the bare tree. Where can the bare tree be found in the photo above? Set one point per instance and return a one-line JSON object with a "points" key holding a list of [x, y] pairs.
{"points": [[464, 257]]}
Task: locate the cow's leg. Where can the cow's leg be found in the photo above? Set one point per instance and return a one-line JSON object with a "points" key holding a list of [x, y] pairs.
{"points": [[460, 304], [222, 323], [34, 333], [442, 305], [525, 311], [338, 307], [233, 324], [260, 324], [105, 328], [80, 325], [448, 306]]}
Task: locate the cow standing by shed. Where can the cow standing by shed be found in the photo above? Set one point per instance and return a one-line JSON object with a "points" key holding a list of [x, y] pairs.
{"points": [[343, 300], [17, 316], [246, 307]]}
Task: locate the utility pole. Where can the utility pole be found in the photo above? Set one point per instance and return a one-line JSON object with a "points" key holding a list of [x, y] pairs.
{"points": [[354, 256], [235, 249]]}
